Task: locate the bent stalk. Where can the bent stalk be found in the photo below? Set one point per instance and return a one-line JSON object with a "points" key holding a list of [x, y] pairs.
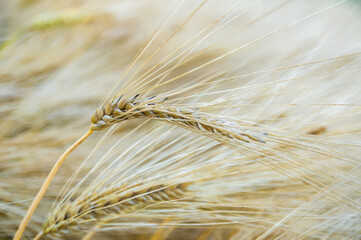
{"points": [[46, 184]]}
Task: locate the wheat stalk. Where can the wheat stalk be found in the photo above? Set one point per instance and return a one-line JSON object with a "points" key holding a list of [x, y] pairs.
{"points": [[121, 109], [115, 201], [46, 184]]}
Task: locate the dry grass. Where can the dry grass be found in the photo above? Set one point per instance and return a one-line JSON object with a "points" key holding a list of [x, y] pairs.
{"points": [[263, 98]]}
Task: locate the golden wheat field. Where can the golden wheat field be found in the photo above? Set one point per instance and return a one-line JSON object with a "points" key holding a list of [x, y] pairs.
{"points": [[177, 120]]}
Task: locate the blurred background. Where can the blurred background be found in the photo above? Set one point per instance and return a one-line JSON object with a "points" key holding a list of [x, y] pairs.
{"points": [[58, 59]]}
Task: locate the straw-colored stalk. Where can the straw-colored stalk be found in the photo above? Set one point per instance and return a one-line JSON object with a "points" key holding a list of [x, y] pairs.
{"points": [[114, 201]]}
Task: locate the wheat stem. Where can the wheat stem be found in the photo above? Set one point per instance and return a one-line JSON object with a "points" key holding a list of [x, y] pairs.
{"points": [[38, 236], [46, 184]]}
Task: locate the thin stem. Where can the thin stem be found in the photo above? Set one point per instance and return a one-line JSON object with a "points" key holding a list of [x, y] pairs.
{"points": [[38, 236], [46, 184]]}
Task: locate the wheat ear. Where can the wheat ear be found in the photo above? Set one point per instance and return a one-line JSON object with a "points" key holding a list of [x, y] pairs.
{"points": [[112, 200], [46, 184], [121, 109]]}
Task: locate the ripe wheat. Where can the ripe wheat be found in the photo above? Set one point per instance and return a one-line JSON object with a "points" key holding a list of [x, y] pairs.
{"points": [[121, 109], [109, 203], [265, 123]]}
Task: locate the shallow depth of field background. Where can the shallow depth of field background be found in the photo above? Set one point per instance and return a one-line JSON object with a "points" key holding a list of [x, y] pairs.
{"points": [[59, 58]]}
